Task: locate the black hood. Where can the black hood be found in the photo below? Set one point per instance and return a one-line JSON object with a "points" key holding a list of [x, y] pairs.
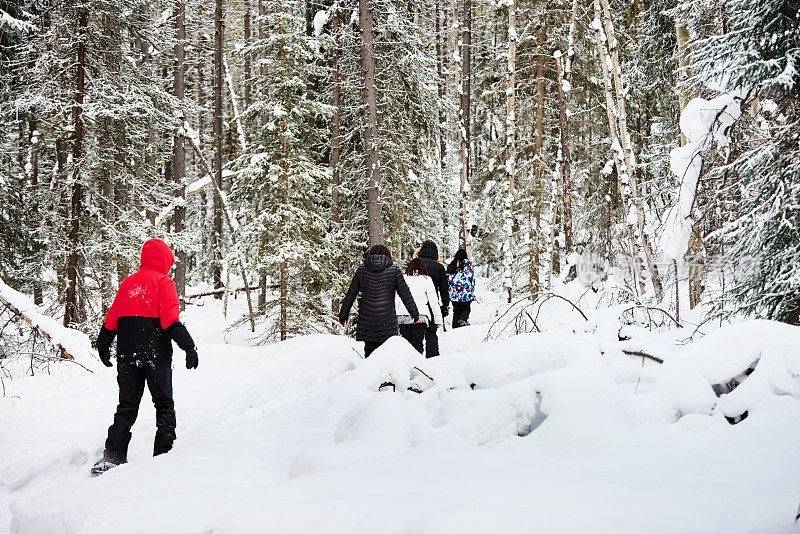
{"points": [[377, 262], [429, 250]]}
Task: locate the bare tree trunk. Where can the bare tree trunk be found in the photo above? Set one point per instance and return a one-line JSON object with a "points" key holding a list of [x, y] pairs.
{"points": [[248, 68], [216, 241], [564, 90], [511, 152], [463, 85], [536, 233], [336, 140], [621, 141], [370, 100], [178, 148], [285, 193], [440, 85], [683, 74], [33, 161], [564, 154], [71, 306]]}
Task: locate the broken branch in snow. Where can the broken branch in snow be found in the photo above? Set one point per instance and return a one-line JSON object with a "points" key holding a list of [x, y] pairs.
{"points": [[13, 309], [643, 354]]}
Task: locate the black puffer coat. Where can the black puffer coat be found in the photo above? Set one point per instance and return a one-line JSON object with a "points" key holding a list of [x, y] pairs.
{"points": [[430, 255], [377, 280]]}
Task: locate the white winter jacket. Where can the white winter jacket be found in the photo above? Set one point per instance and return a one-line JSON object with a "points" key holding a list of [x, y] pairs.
{"points": [[424, 293]]}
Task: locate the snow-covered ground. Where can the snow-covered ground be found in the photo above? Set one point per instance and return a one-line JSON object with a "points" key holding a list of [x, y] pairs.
{"points": [[545, 432]]}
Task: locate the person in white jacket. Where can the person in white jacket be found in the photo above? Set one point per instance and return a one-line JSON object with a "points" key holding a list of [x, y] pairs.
{"points": [[427, 300]]}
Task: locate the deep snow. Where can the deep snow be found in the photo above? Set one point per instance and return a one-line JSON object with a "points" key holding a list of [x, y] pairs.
{"points": [[561, 433]]}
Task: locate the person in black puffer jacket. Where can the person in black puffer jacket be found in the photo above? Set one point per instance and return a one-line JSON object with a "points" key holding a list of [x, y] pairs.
{"points": [[429, 253], [377, 280]]}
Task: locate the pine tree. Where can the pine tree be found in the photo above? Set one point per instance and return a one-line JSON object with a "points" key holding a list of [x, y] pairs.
{"points": [[757, 59]]}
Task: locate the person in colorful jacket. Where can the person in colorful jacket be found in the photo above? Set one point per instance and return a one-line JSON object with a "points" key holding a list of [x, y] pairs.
{"points": [[145, 320], [461, 280]]}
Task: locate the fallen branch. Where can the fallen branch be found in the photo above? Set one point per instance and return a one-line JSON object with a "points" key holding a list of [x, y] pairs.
{"points": [[424, 373], [643, 354], [222, 290], [64, 354]]}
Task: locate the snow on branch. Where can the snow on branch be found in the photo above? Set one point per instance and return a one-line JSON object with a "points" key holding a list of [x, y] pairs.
{"points": [[70, 343], [703, 123]]}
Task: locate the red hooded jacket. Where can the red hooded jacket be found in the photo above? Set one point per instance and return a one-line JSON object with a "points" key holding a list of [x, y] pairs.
{"points": [[150, 292], [145, 312]]}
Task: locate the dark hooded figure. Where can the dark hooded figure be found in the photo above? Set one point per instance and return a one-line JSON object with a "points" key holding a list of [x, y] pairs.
{"points": [[377, 279], [429, 253], [144, 319]]}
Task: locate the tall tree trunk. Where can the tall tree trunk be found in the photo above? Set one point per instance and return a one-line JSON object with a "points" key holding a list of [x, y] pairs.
{"points": [[178, 148], [440, 85], [285, 192], [216, 241], [248, 66], [564, 153], [536, 233], [564, 92], [336, 140], [696, 248], [463, 85], [683, 73], [511, 152], [33, 161], [626, 160], [71, 306], [370, 101]]}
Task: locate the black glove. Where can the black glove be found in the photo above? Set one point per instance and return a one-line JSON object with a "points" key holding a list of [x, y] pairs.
{"points": [[105, 357], [103, 344], [191, 359], [445, 311]]}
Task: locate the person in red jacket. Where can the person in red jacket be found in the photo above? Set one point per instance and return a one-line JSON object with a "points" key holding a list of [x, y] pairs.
{"points": [[144, 319]]}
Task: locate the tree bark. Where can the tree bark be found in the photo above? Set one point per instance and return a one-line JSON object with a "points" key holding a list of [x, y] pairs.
{"points": [[536, 233], [336, 140], [464, 114], [511, 153], [71, 305], [284, 297], [178, 148], [624, 155], [216, 241], [370, 101], [564, 155]]}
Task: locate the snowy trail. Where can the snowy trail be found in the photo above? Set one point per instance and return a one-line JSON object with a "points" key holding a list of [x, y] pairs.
{"points": [[293, 438]]}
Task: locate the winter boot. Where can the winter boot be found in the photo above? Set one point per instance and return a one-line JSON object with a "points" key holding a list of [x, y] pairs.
{"points": [[101, 466]]}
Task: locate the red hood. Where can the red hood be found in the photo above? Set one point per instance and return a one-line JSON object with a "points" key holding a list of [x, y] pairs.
{"points": [[157, 256]]}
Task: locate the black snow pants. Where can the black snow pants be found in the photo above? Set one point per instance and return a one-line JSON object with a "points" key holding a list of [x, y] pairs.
{"points": [[414, 334], [461, 313], [131, 380], [370, 346], [431, 340]]}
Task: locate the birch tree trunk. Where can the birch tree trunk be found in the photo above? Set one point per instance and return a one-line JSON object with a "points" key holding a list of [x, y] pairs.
{"points": [[76, 207], [622, 146], [511, 155], [370, 101]]}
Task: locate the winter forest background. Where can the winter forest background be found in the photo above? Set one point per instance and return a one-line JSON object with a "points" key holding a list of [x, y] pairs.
{"points": [[269, 142]]}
